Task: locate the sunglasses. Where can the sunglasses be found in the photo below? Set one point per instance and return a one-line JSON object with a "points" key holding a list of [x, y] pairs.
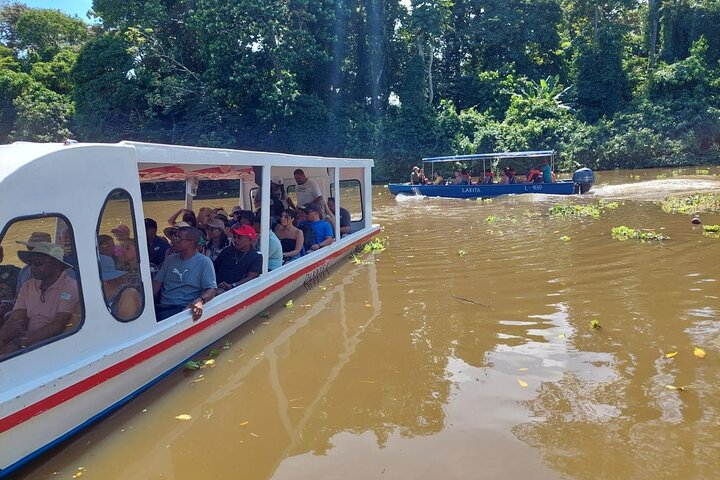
{"points": [[39, 263]]}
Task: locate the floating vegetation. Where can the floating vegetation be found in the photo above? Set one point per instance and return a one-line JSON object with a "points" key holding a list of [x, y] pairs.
{"points": [[689, 204], [565, 238], [702, 171], [490, 219], [712, 231], [661, 176], [377, 244], [595, 324], [590, 210], [644, 235], [356, 259], [462, 253]]}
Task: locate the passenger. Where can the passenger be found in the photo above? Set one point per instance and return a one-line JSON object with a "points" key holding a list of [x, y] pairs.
{"points": [[345, 223], [241, 262], [8, 281], [222, 215], [423, 179], [291, 237], [69, 255], [35, 238], [188, 216], [122, 297], [171, 234], [460, 179], [321, 228], [488, 177], [466, 176], [512, 176], [278, 193], [415, 176], [217, 240], [547, 171], [302, 224], [438, 179], [186, 278], [106, 245], [307, 190], [157, 246], [129, 262], [505, 176], [534, 175], [275, 253], [122, 232], [45, 304]]}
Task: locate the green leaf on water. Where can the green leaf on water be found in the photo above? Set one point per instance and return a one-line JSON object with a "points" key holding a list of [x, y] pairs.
{"points": [[191, 365], [565, 238], [264, 315], [462, 253], [595, 323], [214, 352], [289, 304]]}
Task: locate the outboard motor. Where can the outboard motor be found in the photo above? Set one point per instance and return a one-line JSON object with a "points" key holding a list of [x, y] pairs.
{"points": [[584, 179]]}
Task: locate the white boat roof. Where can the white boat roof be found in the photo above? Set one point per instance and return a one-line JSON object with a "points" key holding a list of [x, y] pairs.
{"points": [[159, 162], [484, 156]]}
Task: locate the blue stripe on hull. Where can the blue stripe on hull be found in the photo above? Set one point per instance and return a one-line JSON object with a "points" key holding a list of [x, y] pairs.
{"points": [[476, 191]]}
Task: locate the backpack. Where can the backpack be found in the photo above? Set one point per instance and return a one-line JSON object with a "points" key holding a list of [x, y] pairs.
{"points": [[308, 235]]}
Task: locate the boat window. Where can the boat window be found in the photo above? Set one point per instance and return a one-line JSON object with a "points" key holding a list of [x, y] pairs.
{"points": [[351, 198], [118, 259], [40, 292]]}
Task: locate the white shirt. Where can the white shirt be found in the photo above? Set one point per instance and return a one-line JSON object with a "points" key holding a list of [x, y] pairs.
{"points": [[307, 192]]}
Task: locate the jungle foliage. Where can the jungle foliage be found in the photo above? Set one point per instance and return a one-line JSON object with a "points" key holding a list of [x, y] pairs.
{"points": [[612, 83]]}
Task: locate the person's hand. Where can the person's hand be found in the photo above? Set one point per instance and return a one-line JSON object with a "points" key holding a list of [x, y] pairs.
{"points": [[197, 309], [225, 286], [315, 247]]}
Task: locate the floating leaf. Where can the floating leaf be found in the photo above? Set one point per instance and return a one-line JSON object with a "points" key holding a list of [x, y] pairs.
{"points": [[673, 387], [184, 417], [214, 352], [266, 314], [242, 424], [565, 238], [462, 253], [289, 304], [227, 345], [210, 363], [191, 365], [670, 354], [595, 323], [522, 384], [699, 352]]}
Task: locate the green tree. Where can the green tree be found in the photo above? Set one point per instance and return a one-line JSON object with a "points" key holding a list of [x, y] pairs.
{"points": [[41, 115], [41, 33]]}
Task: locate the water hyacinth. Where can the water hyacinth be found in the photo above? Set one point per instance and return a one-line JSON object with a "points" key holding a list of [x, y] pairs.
{"points": [[690, 204], [626, 233]]}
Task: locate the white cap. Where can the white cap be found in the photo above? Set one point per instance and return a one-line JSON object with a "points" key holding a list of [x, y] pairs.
{"points": [[277, 180]]}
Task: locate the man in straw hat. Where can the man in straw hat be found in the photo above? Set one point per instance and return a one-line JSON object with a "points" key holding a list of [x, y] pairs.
{"points": [[45, 304], [35, 238]]}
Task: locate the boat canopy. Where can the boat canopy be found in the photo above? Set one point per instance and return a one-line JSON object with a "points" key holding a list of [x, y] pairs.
{"points": [[490, 156]]}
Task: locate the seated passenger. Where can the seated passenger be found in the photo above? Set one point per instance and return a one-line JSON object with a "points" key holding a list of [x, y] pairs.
{"points": [[8, 282], [460, 179], [217, 240], [438, 179], [188, 216], [423, 178], [157, 246], [122, 298], [275, 253], [321, 228], [186, 278], [512, 176], [291, 237], [344, 217], [128, 261], [488, 177], [35, 238], [106, 245], [239, 263], [534, 175], [45, 304]]}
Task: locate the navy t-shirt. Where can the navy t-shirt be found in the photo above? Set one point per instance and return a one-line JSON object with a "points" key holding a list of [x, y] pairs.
{"points": [[157, 250]]}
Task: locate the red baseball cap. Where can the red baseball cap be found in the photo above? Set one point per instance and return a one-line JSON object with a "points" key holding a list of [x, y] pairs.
{"points": [[244, 230]]}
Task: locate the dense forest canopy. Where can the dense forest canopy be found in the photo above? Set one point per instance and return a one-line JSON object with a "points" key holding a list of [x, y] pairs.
{"points": [[607, 83]]}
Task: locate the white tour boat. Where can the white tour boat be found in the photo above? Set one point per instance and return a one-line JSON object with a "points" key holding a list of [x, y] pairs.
{"points": [[76, 196]]}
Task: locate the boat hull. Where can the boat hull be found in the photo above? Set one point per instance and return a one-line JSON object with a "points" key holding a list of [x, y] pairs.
{"points": [[97, 388], [484, 191]]}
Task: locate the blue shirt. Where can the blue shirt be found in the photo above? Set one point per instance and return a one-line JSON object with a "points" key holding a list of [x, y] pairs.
{"points": [[322, 230], [275, 253], [547, 173], [184, 280]]}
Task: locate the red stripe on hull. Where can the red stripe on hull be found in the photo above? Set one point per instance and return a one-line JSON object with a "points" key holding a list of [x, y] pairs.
{"points": [[103, 376]]}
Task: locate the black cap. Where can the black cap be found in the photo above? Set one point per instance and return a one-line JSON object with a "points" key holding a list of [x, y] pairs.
{"points": [[150, 223]]}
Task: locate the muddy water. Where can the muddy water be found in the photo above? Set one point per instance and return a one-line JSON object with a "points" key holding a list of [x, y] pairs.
{"points": [[464, 350]]}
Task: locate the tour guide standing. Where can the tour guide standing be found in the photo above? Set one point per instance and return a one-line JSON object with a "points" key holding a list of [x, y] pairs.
{"points": [[307, 190], [186, 278]]}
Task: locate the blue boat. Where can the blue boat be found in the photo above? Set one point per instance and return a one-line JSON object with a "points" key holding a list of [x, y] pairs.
{"points": [[582, 179]]}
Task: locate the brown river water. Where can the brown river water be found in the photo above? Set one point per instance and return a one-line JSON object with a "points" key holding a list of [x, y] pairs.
{"points": [[463, 351]]}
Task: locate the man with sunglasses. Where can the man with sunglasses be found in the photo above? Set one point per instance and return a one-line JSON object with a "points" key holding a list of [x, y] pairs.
{"points": [[45, 304], [186, 278]]}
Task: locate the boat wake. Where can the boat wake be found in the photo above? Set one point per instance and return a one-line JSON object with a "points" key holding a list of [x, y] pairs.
{"points": [[653, 190]]}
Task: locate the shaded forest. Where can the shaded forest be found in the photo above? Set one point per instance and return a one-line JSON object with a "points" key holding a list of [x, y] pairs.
{"points": [[607, 83]]}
